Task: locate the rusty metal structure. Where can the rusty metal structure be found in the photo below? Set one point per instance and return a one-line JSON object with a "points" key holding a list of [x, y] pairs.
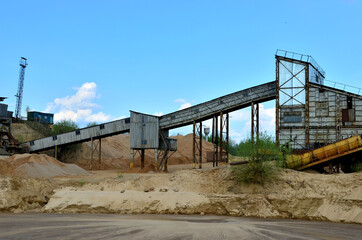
{"points": [[8, 144], [149, 132], [19, 95], [309, 113]]}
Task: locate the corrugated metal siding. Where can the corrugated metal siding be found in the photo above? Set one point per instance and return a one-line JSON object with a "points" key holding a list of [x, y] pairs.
{"points": [[228, 103], [3, 110], [80, 135], [144, 131], [322, 119]]}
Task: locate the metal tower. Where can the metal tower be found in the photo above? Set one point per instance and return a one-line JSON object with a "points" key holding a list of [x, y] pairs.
{"points": [[19, 94]]}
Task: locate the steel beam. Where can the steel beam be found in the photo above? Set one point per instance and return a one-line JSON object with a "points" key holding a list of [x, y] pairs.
{"points": [[225, 104], [197, 144], [254, 122], [142, 158], [215, 139], [306, 86]]}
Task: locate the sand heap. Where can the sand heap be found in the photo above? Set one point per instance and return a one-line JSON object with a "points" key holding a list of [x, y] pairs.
{"points": [[116, 153], [37, 166], [297, 195]]}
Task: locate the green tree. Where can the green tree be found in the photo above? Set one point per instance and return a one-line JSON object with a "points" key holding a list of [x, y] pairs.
{"points": [[66, 152], [91, 124], [64, 126]]}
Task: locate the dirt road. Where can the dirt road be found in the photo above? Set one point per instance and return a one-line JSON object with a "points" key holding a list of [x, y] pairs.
{"points": [[99, 226]]}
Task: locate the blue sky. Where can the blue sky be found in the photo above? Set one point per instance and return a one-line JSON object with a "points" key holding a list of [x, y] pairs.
{"points": [[96, 60]]}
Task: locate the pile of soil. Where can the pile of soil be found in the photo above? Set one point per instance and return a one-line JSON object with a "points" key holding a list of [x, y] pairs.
{"points": [[116, 153], [297, 195], [24, 194], [37, 166]]}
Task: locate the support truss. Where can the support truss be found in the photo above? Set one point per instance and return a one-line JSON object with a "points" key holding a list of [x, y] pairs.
{"points": [[197, 144], [164, 154], [96, 149], [224, 138]]}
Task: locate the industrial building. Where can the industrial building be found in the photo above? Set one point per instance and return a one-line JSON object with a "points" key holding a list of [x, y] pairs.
{"points": [[46, 118], [309, 114], [7, 142]]}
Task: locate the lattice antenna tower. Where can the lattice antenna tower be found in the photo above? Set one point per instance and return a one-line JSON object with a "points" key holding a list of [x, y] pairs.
{"points": [[23, 63]]}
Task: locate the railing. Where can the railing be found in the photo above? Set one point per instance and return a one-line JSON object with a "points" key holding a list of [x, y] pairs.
{"points": [[300, 57], [343, 86]]}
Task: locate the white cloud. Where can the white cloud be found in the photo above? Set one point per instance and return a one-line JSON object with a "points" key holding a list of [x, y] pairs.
{"points": [[78, 107], [180, 100], [240, 115], [159, 114], [120, 117], [185, 105], [240, 122], [98, 117]]}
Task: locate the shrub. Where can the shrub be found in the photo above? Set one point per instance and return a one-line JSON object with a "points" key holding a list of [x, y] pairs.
{"points": [[119, 175], [81, 182], [264, 157]]}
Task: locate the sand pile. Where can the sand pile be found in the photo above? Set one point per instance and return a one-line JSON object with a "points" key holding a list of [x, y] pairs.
{"points": [[37, 166], [24, 194], [116, 153], [297, 195]]}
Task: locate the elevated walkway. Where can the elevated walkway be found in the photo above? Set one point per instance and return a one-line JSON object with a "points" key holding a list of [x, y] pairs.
{"points": [[200, 112], [80, 135]]}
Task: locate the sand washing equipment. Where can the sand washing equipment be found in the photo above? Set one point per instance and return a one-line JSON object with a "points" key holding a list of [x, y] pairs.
{"points": [[329, 152]]}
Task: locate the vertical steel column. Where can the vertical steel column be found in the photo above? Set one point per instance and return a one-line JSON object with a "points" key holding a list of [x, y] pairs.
{"points": [[194, 144], [224, 138], [56, 152], [131, 159], [221, 139], [91, 154], [100, 153], [277, 103], [226, 127], [307, 143], [166, 165], [214, 139], [338, 117], [156, 159], [200, 144], [142, 158], [197, 145], [254, 122]]}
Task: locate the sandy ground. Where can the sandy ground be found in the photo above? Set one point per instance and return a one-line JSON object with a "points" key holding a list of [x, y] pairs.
{"points": [[88, 226], [297, 195]]}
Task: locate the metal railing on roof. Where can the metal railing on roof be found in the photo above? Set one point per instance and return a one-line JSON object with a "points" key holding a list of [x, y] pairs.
{"points": [[343, 86], [300, 57]]}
